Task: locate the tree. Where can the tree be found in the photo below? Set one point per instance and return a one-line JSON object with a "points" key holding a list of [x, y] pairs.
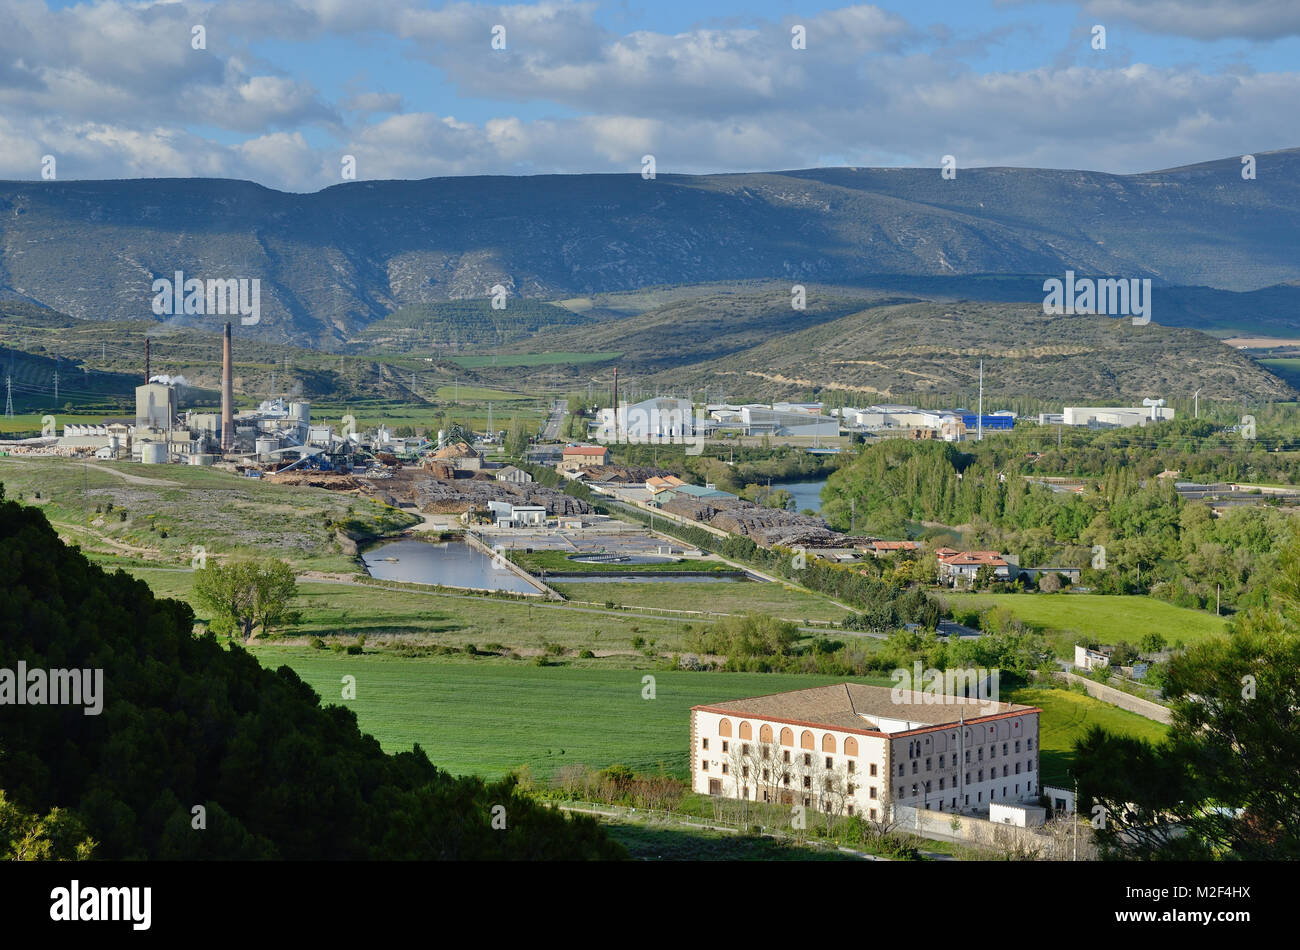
{"points": [[1049, 582], [516, 438], [247, 595], [984, 577]]}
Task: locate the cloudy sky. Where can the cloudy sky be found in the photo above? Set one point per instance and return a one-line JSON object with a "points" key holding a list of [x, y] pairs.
{"points": [[283, 89]]}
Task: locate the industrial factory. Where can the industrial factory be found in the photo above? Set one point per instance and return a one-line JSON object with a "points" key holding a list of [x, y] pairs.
{"points": [[276, 436]]}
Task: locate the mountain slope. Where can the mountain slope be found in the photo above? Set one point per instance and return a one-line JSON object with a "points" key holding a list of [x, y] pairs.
{"points": [[931, 348], [337, 260]]}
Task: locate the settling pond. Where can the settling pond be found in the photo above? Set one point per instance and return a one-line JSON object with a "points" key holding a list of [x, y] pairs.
{"points": [[451, 564]]}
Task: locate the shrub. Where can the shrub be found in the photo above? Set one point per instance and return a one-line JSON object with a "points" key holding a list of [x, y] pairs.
{"points": [[638, 642], [336, 647], [316, 643], [586, 655], [355, 649]]}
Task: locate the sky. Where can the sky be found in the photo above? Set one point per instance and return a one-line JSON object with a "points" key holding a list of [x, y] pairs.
{"points": [[280, 91]]}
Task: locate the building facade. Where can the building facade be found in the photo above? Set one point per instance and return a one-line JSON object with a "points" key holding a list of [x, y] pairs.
{"points": [[851, 749]]}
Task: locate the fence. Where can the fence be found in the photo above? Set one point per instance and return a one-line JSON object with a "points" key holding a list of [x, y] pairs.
{"points": [[1117, 697]]}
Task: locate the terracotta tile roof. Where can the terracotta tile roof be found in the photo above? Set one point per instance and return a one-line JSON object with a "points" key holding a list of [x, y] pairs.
{"points": [[858, 707], [584, 450]]}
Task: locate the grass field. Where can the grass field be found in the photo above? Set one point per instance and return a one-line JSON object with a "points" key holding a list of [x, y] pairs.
{"points": [[1286, 369], [663, 843], [534, 359], [1109, 618], [465, 393], [31, 421], [345, 611], [1067, 715], [485, 717], [725, 597]]}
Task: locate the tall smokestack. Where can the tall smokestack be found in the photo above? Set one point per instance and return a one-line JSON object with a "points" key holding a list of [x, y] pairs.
{"points": [[616, 404], [146, 361], [227, 395]]}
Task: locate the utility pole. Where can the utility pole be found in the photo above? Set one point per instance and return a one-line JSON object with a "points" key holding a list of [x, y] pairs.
{"points": [[979, 419], [56, 386], [9, 397]]}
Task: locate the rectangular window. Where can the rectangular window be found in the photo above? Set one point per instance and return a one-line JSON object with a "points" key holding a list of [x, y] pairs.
{"points": [[1029, 743], [830, 762], [915, 766], [785, 780], [724, 768], [927, 764], [850, 811], [807, 759], [807, 781], [940, 761], [765, 753], [850, 790], [725, 747], [967, 778], [993, 752], [1017, 746], [706, 743], [851, 769], [785, 755], [705, 765], [744, 771], [1017, 768], [968, 756], [871, 792], [1004, 748], [872, 770], [873, 814], [900, 769], [941, 785], [765, 774], [744, 749]]}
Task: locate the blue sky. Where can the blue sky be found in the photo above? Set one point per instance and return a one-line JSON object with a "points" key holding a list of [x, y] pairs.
{"points": [[285, 88]]}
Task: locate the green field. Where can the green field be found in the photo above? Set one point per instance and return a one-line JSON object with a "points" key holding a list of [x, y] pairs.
{"points": [[534, 359], [487, 717], [1286, 369], [31, 421], [466, 393], [1109, 618], [1067, 715], [721, 597], [347, 610]]}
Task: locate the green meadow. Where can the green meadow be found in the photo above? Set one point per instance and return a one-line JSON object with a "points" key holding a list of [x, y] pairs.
{"points": [[1109, 618], [487, 716]]}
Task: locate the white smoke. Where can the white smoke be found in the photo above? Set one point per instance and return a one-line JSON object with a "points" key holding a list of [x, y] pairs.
{"points": [[169, 380]]}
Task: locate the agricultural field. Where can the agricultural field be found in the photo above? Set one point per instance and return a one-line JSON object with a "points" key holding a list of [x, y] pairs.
{"points": [[162, 512], [1108, 618], [724, 597], [485, 717], [534, 359]]}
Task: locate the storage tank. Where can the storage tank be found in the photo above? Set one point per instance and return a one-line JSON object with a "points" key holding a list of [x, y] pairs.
{"points": [[300, 412], [266, 446], [203, 459], [153, 453]]}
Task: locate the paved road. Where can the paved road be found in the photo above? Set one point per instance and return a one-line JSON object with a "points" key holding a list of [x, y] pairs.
{"points": [[552, 431]]}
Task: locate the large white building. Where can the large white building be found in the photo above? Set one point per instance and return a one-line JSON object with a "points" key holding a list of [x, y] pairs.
{"points": [[862, 750], [1114, 416], [661, 419]]}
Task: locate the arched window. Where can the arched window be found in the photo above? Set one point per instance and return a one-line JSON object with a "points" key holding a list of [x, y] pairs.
{"points": [[806, 741], [828, 743], [745, 731], [787, 738], [724, 727], [765, 733], [850, 746]]}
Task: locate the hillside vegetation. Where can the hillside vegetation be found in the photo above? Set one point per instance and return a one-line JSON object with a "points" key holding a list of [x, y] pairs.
{"points": [[186, 724]]}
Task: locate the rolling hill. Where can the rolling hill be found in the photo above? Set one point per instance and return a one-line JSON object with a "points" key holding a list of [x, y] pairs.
{"points": [[336, 261]]}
